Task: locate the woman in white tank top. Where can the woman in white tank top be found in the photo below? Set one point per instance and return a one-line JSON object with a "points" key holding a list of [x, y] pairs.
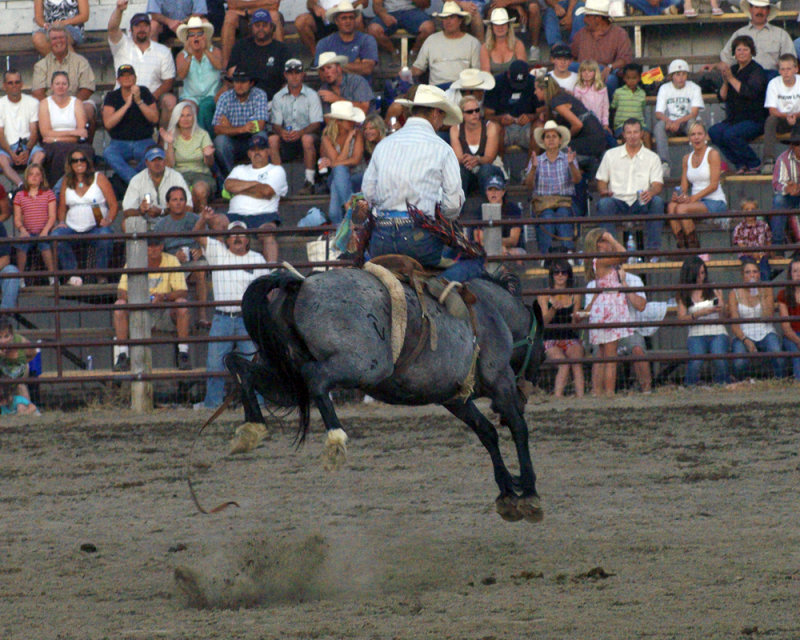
{"points": [[701, 171]]}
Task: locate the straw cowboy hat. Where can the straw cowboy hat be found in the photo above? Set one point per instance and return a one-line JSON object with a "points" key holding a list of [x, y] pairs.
{"points": [[595, 8], [452, 9], [195, 22], [550, 125], [744, 7], [345, 6], [344, 110], [430, 96], [329, 57], [498, 17], [474, 79]]}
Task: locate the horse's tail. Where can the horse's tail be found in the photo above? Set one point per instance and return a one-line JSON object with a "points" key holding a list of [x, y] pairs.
{"points": [[276, 338]]}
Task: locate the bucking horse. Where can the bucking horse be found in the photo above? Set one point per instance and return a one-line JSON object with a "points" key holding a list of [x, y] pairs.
{"points": [[334, 329]]}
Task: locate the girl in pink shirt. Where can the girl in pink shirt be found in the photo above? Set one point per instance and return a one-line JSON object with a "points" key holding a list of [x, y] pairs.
{"points": [[591, 90]]}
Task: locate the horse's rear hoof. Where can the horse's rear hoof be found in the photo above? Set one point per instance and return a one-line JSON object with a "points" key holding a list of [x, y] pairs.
{"points": [[507, 508], [247, 437], [530, 509]]}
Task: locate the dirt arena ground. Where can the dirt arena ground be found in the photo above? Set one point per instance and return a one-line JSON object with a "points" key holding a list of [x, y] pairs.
{"points": [[673, 515]]}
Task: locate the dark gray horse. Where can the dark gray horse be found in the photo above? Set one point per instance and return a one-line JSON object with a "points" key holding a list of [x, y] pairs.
{"points": [[332, 330]]}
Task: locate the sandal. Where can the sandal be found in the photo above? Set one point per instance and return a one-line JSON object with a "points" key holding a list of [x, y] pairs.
{"points": [[690, 13], [717, 11]]}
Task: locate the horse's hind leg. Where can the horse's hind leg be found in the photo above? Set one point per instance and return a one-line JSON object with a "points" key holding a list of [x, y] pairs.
{"points": [[506, 502], [246, 374]]}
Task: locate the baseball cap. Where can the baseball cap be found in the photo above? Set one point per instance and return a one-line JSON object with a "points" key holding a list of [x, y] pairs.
{"points": [[240, 74], [237, 224], [139, 17], [153, 153], [678, 65], [293, 64], [561, 50], [496, 182], [260, 15], [518, 73], [125, 68], [259, 140]]}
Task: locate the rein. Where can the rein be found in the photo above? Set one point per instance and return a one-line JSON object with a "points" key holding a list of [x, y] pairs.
{"points": [[529, 341]]}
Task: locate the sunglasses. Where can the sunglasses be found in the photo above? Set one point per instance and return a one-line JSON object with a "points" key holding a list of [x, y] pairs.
{"points": [[560, 272], [196, 34], [77, 159], [472, 110]]}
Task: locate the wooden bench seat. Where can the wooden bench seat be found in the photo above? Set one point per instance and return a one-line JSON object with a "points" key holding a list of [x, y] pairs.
{"points": [[679, 20], [69, 292]]}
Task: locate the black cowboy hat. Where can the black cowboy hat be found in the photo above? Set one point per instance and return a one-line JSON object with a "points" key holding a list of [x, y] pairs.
{"points": [[794, 136]]}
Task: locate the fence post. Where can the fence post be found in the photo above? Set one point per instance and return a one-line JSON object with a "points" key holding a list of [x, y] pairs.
{"points": [[492, 236], [139, 321]]}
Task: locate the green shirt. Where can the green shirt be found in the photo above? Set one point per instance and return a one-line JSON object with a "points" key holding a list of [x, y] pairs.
{"points": [[189, 153], [628, 104]]}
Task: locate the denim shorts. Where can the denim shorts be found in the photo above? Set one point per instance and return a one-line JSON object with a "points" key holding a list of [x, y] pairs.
{"points": [[44, 245], [36, 149], [254, 221], [410, 20], [715, 206]]}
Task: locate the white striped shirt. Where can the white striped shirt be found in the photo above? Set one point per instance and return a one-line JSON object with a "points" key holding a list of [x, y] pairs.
{"points": [[153, 66], [416, 165]]}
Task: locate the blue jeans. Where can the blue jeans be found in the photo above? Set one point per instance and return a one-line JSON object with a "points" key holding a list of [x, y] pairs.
{"points": [[701, 345], [777, 224], [340, 183], [767, 344], [788, 345], [223, 325], [732, 140], [613, 206], [649, 10], [66, 250], [545, 232], [229, 149], [119, 152], [552, 28], [9, 287]]}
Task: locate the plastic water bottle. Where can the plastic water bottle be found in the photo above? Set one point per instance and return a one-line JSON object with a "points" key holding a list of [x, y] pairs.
{"points": [[630, 245], [35, 365], [89, 363]]}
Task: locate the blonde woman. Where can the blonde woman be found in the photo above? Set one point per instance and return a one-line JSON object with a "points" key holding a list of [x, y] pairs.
{"points": [[341, 153], [501, 46], [476, 143]]}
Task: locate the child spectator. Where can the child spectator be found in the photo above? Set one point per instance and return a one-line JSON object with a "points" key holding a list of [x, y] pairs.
{"points": [[15, 354], [561, 56], [12, 404], [592, 92], [629, 102], [678, 103], [754, 233], [783, 103], [34, 217]]}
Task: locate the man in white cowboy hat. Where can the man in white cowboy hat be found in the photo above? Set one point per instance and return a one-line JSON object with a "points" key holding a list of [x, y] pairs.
{"points": [[314, 25], [337, 85], [391, 15], [167, 15], [261, 55], [360, 49], [603, 42], [470, 82], [414, 165], [771, 41], [448, 52]]}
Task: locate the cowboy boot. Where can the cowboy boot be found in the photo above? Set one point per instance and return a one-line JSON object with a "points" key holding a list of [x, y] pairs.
{"points": [[680, 239], [692, 241]]}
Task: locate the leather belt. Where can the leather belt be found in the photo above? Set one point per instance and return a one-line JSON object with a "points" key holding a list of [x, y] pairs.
{"points": [[229, 314], [393, 222]]}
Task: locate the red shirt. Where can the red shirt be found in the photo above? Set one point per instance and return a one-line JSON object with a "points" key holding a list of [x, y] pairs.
{"points": [[794, 310], [34, 210]]}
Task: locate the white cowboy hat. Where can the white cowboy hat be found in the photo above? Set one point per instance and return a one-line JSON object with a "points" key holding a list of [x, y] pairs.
{"points": [[344, 110], [195, 22], [550, 125], [452, 9], [430, 96], [474, 79], [330, 57], [345, 6], [499, 16], [595, 8], [744, 7]]}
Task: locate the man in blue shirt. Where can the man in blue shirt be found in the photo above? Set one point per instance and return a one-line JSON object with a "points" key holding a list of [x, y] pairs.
{"points": [[513, 104], [361, 49], [167, 15]]}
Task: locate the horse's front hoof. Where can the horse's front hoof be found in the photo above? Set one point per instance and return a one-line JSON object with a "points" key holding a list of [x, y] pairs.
{"points": [[507, 508], [247, 437], [530, 509]]}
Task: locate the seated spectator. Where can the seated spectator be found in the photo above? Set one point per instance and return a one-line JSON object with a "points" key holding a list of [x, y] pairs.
{"points": [[342, 154], [262, 55], [754, 235], [241, 112], [702, 172], [743, 90], [12, 404], [471, 82], [315, 25], [592, 92], [629, 182], [152, 62], [79, 72], [561, 343], [501, 46], [163, 287], [530, 13], [86, 206], [783, 103], [374, 129], [184, 248], [690, 12], [629, 101], [9, 286], [199, 66], [15, 354], [552, 177], [770, 41], [34, 217], [130, 116], [259, 11], [561, 16], [166, 16], [190, 152], [62, 125], [789, 305], [146, 194], [360, 49], [602, 42], [747, 303], [337, 85], [476, 143], [657, 7], [391, 15], [786, 185], [228, 285], [448, 52], [494, 191], [19, 128], [561, 57], [257, 189], [513, 104], [296, 122], [703, 303], [69, 15], [678, 105]]}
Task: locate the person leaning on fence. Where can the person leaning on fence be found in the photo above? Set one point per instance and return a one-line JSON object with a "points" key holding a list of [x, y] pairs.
{"points": [[162, 287], [229, 287], [788, 306]]}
